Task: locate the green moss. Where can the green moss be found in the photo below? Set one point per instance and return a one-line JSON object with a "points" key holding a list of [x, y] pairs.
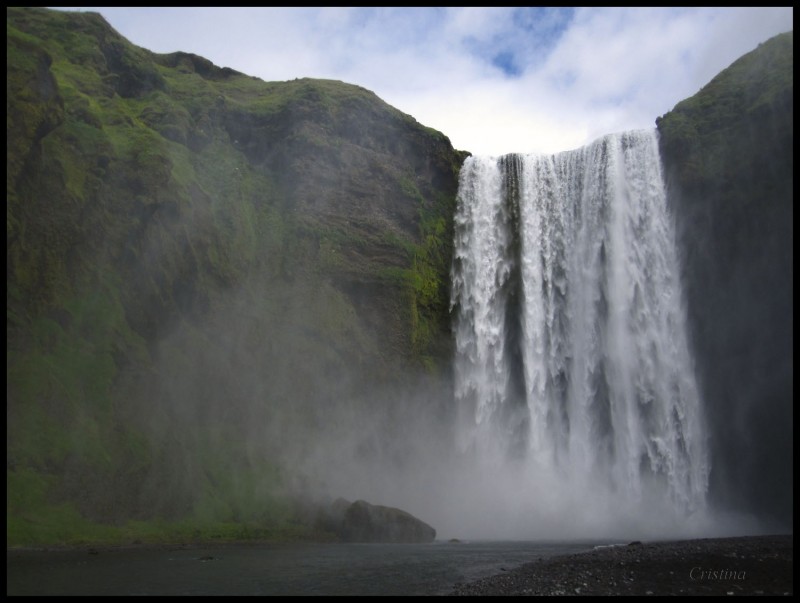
{"points": [[36, 437], [237, 490], [31, 520], [698, 131], [167, 117], [431, 267]]}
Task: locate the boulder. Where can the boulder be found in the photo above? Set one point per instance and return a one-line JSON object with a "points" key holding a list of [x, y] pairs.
{"points": [[363, 522]]}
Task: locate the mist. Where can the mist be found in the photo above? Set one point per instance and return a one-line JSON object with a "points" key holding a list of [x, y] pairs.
{"points": [[294, 414], [280, 386]]}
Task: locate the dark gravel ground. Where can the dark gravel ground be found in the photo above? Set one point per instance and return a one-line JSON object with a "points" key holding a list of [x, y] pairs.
{"points": [[750, 565]]}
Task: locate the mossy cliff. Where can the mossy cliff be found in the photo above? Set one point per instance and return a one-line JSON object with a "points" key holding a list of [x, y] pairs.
{"points": [[728, 156], [200, 267]]}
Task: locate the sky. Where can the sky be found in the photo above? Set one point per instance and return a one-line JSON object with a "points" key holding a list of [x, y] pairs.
{"points": [[494, 80]]}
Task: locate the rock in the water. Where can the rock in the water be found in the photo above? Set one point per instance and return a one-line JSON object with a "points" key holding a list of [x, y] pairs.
{"points": [[363, 522]]}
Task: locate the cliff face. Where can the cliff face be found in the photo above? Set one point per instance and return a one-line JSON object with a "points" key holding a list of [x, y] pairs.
{"points": [[199, 261], [728, 154]]}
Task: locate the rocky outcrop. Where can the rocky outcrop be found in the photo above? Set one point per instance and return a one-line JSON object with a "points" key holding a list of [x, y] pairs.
{"points": [[361, 521]]}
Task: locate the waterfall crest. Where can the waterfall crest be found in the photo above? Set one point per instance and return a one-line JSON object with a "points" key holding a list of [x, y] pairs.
{"points": [[572, 362]]}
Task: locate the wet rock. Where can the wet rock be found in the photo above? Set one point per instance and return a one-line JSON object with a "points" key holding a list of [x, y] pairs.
{"points": [[364, 522]]}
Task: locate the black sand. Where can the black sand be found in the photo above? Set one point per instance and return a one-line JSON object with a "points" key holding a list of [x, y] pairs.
{"points": [[752, 565]]}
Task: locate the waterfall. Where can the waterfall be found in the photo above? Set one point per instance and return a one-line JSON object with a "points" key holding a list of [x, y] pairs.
{"points": [[572, 360]]}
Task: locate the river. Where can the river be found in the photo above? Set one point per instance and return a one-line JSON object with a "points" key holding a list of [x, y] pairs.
{"points": [[290, 569]]}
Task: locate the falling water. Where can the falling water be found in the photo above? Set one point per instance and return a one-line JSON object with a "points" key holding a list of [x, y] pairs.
{"points": [[572, 359]]}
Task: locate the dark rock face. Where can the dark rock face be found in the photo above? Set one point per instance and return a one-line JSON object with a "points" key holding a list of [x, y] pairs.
{"points": [[728, 156], [363, 522]]}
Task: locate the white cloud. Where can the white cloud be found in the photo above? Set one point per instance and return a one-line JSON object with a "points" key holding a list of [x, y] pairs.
{"points": [[571, 76]]}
